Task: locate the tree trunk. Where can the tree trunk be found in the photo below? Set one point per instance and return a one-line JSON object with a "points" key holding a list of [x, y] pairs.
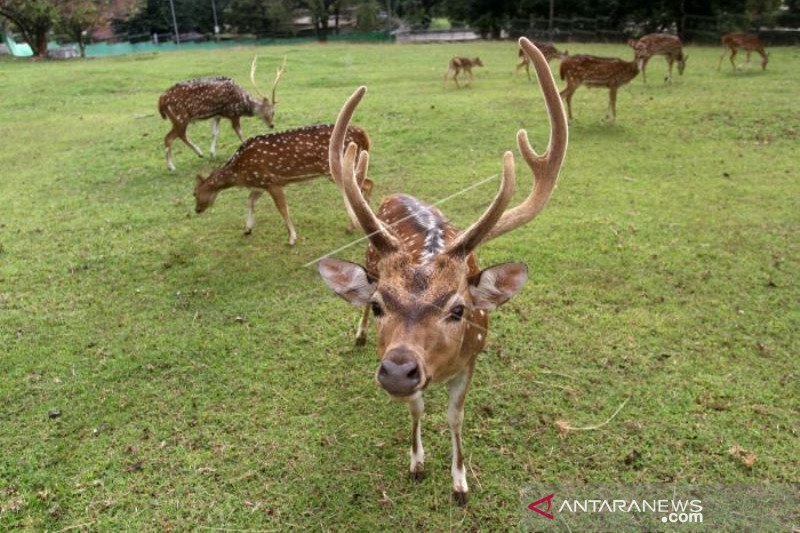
{"points": [[82, 45], [40, 46], [322, 28]]}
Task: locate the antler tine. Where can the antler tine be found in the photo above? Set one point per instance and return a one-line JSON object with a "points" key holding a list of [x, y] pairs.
{"points": [[278, 75], [357, 207], [545, 167], [253, 77], [472, 236]]}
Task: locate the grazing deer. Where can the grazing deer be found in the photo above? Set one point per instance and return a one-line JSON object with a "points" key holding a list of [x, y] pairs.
{"points": [[549, 52], [215, 98], [655, 44], [749, 42], [594, 71], [422, 282], [459, 64], [269, 162]]}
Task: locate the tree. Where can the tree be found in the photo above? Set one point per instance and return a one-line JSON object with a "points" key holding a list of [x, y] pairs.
{"points": [[261, 17], [77, 18], [34, 19], [321, 11]]}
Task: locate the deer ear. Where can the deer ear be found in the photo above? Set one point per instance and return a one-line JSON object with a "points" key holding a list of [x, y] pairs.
{"points": [[348, 280], [496, 285]]}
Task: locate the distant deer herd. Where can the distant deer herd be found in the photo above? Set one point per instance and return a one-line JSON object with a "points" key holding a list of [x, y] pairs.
{"points": [[420, 279]]}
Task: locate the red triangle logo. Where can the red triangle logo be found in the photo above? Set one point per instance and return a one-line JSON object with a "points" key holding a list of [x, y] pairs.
{"points": [[535, 506]]}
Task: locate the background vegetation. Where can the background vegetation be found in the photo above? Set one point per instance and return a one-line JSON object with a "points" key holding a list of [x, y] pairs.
{"points": [[160, 371]]}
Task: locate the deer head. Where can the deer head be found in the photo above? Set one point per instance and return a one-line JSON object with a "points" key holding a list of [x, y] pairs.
{"points": [[265, 108], [432, 313], [477, 62], [204, 196]]}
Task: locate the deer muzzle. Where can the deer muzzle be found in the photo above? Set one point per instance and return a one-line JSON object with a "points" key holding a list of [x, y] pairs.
{"points": [[400, 373]]}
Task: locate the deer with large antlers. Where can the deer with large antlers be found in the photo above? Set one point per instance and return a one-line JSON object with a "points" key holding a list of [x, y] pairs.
{"points": [[213, 98], [653, 44], [421, 279], [548, 50], [594, 71], [749, 42], [270, 162]]}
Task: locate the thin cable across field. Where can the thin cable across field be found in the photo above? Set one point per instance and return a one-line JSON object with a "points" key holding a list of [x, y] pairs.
{"points": [[436, 203]]}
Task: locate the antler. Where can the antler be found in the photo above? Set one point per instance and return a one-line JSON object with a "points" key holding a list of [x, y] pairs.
{"points": [[545, 167], [472, 236], [253, 77], [359, 210], [278, 75]]}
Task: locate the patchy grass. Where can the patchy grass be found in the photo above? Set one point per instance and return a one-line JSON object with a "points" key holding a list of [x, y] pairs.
{"points": [[205, 379]]}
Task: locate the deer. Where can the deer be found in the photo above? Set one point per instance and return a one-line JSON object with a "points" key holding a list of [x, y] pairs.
{"points": [[549, 51], [749, 42], [459, 64], [271, 161], [213, 98], [594, 71], [655, 44], [421, 279]]}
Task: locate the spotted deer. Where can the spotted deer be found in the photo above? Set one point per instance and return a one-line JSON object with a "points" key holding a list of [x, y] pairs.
{"points": [[213, 98], [594, 71], [653, 44], [549, 52], [270, 162], [749, 42], [421, 279], [462, 64]]}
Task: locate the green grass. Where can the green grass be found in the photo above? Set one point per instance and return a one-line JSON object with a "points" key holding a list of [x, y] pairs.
{"points": [[206, 379]]}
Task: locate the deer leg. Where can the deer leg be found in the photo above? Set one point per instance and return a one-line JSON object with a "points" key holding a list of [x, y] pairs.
{"points": [[251, 210], [361, 334], [457, 391], [566, 94], [447, 75], [214, 134], [276, 191], [612, 103], [733, 54], [719, 65], [668, 78], [747, 57], [764, 58], [416, 406], [190, 144], [237, 127], [644, 69], [455, 78], [173, 133]]}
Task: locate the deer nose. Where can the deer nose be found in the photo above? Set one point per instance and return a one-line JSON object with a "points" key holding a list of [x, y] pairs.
{"points": [[399, 373]]}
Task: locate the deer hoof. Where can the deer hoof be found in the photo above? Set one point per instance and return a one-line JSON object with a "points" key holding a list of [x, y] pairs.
{"points": [[248, 232], [418, 474], [361, 340], [460, 498]]}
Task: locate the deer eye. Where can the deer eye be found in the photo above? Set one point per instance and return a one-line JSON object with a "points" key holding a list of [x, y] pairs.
{"points": [[456, 313], [376, 309]]}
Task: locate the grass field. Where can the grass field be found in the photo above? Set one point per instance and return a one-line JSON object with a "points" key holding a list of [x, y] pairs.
{"points": [[207, 379]]}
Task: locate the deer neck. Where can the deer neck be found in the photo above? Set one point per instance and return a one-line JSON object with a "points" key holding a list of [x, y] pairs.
{"points": [[221, 179], [252, 105]]}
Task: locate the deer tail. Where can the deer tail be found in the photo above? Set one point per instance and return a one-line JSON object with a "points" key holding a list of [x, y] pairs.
{"points": [[162, 108]]}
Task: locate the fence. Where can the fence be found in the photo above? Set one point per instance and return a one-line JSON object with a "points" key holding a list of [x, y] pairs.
{"points": [[697, 29], [106, 49]]}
